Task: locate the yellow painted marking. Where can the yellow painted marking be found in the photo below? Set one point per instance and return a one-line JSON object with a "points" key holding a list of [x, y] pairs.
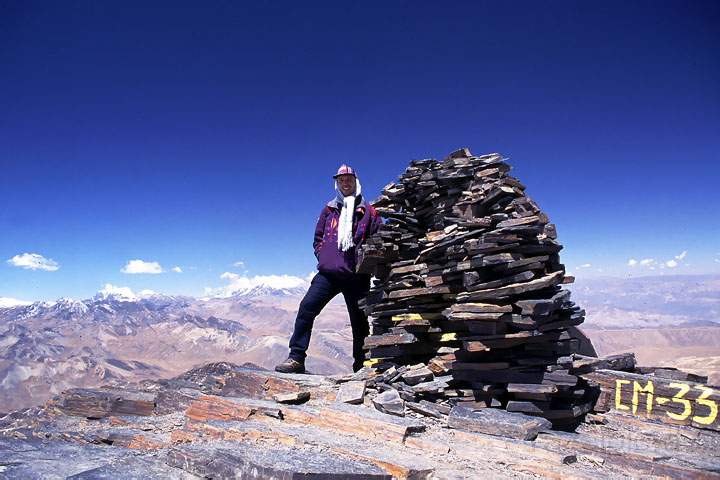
{"points": [[618, 394], [371, 362], [416, 316], [711, 404], [649, 390], [448, 337], [678, 398]]}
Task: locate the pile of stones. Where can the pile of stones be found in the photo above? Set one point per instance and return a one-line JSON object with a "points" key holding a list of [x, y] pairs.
{"points": [[467, 305]]}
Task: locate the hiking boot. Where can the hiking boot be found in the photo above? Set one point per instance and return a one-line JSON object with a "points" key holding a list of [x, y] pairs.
{"points": [[291, 366]]}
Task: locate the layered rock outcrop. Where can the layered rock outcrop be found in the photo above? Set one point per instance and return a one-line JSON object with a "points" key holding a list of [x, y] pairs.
{"points": [[225, 421]]}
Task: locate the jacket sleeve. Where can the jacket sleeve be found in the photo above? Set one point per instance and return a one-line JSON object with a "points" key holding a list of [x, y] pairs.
{"points": [[319, 231]]}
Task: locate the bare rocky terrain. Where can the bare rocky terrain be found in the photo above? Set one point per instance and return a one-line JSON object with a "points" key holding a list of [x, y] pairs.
{"points": [[224, 421], [47, 348]]}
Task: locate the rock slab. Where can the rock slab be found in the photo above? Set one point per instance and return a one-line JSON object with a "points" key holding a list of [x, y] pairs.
{"points": [[497, 422]]}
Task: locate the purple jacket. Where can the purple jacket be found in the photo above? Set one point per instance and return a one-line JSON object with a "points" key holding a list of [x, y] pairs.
{"points": [[330, 258]]}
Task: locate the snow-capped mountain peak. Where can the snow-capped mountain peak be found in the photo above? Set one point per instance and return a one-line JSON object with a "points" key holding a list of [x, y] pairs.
{"points": [[70, 306], [269, 291], [259, 285], [6, 302]]}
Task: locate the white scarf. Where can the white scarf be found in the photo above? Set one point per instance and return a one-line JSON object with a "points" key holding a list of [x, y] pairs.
{"points": [[345, 233]]}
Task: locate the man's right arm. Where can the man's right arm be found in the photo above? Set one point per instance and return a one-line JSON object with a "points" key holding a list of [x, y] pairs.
{"points": [[319, 232]]}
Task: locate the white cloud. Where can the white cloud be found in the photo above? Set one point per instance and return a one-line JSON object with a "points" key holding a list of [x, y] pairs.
{"points": [[7, 302], [34, 261], [585, 265], [673, 262], [177, 269], [140, 266], [652, 264], [239, 264], [239, 283], [121, 293]]}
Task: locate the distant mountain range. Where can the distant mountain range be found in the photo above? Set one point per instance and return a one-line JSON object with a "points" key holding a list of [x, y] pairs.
{"points": [[659, 301], [668, 320], [46, 347]]}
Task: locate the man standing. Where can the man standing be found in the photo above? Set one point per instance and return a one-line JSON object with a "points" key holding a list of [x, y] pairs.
{"points": [[344, 224]]}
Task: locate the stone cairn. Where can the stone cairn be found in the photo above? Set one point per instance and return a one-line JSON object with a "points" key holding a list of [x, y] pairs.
{"points": [[467, 307]]}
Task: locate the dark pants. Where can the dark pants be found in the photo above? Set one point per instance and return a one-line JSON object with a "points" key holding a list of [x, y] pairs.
{"points": [[323, 288]]}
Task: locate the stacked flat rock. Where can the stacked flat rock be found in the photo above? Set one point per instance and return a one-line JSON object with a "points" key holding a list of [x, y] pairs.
{"points": [[468, 284]]}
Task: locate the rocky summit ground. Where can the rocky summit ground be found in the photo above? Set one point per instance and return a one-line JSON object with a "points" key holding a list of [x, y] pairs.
{"points": [[226, 421]]}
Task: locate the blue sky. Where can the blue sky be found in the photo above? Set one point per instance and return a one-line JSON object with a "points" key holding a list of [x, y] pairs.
{"points": [[202, 134]]}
